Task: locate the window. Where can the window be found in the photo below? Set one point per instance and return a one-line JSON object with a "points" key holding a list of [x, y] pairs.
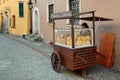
{"points": [[10, 22], [50, 11], [2, 21], [13, 21], [21, 9], [74, 7]]}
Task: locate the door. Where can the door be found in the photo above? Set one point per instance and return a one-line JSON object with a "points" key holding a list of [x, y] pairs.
{"points": [[36, 21], [2, 23], [6, 23]]}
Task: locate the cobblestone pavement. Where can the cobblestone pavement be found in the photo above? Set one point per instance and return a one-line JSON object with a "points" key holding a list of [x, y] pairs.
{"points": [[21, 59]]}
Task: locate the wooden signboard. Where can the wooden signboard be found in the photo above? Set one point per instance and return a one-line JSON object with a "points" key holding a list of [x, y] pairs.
{"points": [[106, 49], [62, 15]]}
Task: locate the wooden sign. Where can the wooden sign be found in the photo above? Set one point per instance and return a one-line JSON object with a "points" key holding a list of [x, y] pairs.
{"points": [[106, 49], [62, 15]]}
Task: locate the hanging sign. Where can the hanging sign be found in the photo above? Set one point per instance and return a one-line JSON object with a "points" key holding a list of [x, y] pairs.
{"points": [[62, 15]]}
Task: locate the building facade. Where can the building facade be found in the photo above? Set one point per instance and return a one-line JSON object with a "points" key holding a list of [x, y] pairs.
{"points": [[14, 17], [44, 9]]}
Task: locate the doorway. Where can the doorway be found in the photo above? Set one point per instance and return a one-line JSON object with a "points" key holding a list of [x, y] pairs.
{"points": [[2, 23], [36, 21], [6, 23]]}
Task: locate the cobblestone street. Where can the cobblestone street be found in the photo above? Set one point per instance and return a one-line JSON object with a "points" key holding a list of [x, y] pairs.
{"points": [[21, 59]]}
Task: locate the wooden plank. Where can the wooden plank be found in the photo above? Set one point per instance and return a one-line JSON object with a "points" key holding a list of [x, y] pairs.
{"points": [[106, 49], [85, 56], [69, 66], [68, 62], [88, 60], [85, 49], [78, 62], [66, 54], [62, 15], [71, 59], [84, 66], [85, 52], [77, 65]]}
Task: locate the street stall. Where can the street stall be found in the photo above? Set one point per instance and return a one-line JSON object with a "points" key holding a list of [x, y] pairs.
{"points": [[72, 48]]}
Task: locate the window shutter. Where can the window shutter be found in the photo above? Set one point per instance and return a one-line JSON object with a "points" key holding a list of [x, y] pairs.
{"points": [[21, 10]]}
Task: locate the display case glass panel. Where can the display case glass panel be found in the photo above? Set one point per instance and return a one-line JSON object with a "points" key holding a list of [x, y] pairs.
{"points": [[63, 37], [83, 37]]}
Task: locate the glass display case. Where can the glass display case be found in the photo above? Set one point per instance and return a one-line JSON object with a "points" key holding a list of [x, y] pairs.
{"points": [[74, 44], [82, 37], [72, 35]]}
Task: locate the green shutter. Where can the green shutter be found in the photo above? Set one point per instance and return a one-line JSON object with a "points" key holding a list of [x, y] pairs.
{"points": [[21, 10]]}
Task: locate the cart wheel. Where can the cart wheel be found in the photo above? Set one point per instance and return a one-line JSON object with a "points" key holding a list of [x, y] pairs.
{"points": [[56, 62]]}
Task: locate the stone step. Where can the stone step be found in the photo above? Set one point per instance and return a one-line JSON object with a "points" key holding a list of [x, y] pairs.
{"points": [[33, 37]]}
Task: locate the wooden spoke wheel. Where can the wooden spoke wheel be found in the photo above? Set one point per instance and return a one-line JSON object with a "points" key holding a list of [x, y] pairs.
{"points": [[56, 61]]}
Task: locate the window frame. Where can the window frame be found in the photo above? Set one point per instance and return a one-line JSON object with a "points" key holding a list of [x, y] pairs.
{"points": [[21, 10], [13, 21], [48, 12], [75, 8], [68, 9]]}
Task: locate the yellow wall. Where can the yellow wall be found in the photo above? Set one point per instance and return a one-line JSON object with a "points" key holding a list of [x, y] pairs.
{"points": [[22, 24]]}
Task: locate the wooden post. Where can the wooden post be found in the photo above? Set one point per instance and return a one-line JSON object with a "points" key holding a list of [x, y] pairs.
{"points": [[84, 72], [93, 14], [72, 32], [53, 31], [30, 6]]}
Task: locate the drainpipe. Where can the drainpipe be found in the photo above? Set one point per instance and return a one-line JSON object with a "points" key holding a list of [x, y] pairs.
{"points": [[30, 4]]}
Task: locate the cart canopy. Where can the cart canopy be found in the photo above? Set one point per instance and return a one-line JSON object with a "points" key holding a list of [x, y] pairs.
{"points": [[96, 19], [69, 15]]}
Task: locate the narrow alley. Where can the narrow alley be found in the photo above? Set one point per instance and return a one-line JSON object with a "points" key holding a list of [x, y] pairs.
{"points": [[21, 61]]}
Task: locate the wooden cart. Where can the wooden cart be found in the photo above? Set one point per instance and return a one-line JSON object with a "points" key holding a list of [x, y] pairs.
{"points": [[67, 51]]}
